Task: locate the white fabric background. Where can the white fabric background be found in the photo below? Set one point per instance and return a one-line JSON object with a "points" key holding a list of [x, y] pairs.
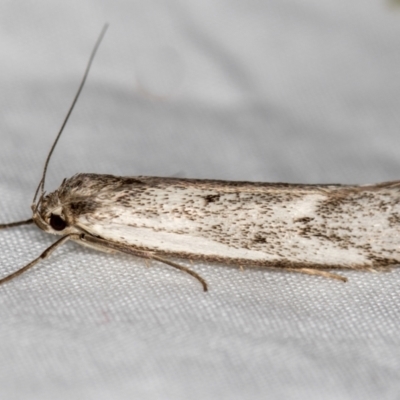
{"points": [[298, 91]]}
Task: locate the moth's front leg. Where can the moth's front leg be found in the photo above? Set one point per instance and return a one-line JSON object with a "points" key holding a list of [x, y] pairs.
{"points": [[47, 253]]}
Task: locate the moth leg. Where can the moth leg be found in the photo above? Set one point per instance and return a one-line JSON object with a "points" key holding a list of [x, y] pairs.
{"points": [[19, 223], [182, 268], [379, 269], [95, 246], [318, 272], [123, 248], [43, 256]]}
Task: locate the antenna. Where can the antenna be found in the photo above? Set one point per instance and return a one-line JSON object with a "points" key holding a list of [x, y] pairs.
{"points": [[89, 64]]}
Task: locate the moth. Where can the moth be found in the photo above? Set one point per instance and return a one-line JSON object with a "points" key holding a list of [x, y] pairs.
{"points": [[310, 229]]}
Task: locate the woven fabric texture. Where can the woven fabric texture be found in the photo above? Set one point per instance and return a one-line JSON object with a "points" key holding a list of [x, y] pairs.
{"points": [[292, 91]]}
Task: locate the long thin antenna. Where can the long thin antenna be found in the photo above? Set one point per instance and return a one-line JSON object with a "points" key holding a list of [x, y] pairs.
{"points": [[42, 181]]}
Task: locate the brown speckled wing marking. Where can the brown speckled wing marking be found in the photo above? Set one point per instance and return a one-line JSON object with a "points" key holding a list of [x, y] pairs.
{"points": [[243, 223]]}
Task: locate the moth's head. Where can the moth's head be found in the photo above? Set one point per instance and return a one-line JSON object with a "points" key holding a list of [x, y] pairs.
{"points": [[50, 215], [59, 211]]}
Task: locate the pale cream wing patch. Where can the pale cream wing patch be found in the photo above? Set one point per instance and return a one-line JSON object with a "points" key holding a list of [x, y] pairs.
{"points": [[314, 227]]}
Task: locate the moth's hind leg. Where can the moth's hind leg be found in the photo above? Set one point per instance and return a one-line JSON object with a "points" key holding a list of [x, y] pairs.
{"points": [[107, 245], [183, 269], [318, 272]]}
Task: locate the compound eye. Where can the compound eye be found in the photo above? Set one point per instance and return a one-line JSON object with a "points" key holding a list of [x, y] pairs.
{"points": [[57, 223]]}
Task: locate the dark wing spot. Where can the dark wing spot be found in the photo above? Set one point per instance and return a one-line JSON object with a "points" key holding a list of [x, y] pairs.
{"points": [[304, 220], [82, 207], [211, 198], [132, 181], [394, 219], [260, 239]]}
